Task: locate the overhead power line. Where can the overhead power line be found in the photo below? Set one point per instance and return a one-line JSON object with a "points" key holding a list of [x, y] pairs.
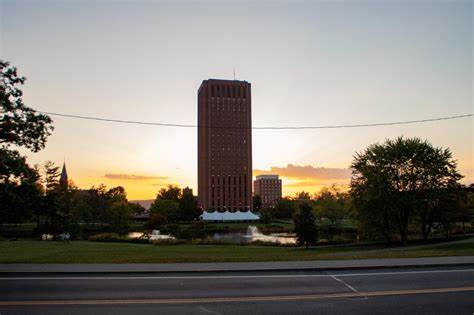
{"points": [[405, 122]]}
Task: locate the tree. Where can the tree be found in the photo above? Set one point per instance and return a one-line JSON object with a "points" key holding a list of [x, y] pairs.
{"points": [[21, 194], [171, 192], [305, 225], [303, 195], [97, 199], [119, 216], [137, 208], [156, 220], [331, 203], [20, 125], [51, 176], [188, 209], [166, 208], [257, 203], [56, 207], [284, 209], [265, 215], [20, 188], [392, 182], [116, 194]]}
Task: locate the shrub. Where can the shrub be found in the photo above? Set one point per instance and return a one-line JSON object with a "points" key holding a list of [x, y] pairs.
{"points": [[157, 220], [266, 243], [265, 215], [109, 237], [211, 241]]}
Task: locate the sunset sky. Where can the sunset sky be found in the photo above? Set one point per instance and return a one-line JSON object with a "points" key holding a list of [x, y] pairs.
{"points": [[310, 63]]}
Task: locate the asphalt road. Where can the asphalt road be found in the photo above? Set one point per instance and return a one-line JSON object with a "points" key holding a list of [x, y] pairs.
{"points": [[441, 290]]}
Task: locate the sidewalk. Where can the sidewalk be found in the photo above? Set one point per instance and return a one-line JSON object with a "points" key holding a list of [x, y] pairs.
{"points": [[319, 265]]}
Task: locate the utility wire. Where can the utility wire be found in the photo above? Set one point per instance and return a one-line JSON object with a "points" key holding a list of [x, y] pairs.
{"points": [[405, 122]]}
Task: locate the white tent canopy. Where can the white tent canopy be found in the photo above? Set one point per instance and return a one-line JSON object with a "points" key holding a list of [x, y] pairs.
{"points": [[229, 216]]}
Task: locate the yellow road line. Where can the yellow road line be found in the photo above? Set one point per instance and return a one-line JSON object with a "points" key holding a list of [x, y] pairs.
{"points": [[239, 299]]}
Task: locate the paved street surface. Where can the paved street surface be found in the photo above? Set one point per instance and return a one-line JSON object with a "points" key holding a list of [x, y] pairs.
{"points": [[427, 290]]}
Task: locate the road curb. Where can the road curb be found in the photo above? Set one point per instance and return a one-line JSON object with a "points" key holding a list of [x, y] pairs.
{"points": [[217, 270]]}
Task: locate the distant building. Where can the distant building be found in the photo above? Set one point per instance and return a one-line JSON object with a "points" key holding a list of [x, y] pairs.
{"points": [[268, 187], [63, 179], [224, 145]]}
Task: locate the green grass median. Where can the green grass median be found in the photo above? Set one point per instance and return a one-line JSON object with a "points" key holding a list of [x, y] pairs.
{"points": [[91, 252]]}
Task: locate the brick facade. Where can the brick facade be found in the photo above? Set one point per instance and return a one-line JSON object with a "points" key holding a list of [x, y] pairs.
{"points": [[224, 145]]}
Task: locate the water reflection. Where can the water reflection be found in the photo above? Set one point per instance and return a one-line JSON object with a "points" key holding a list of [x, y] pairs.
{"points": [[135, 234], [155, 235], [252, 235]]}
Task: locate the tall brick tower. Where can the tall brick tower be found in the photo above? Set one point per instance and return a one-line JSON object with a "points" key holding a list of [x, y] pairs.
{"points": [[224, 145]]}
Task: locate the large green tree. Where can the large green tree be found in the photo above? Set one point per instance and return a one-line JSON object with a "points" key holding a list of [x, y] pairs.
{"points": [[395, 184], [20, 126], [188, 209]]}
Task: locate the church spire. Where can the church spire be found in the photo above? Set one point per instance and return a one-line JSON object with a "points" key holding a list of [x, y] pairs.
{"points": [[63, 180]]}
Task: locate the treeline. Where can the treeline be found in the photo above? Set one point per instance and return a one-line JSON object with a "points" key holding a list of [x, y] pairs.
{"points": [[400, 188], [173, 204], [331, 205], [39, 196], [58, 207]]}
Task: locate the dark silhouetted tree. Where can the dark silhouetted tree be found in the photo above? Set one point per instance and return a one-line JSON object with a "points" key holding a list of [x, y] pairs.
{"points": [[166, 208], [257, 203], [305, 225], [20, 126], [393, 182], [171, 192], [116, 194], [331, 203], [265, 215], [119, 216], [188, 209], [303, 195], [284, 209]]}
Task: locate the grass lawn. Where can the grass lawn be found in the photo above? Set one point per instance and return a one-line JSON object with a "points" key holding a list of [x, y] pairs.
{"points": [[91, 252]]}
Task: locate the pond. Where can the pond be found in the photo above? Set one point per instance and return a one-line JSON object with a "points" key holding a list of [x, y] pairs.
{"points": [[253, 234]]}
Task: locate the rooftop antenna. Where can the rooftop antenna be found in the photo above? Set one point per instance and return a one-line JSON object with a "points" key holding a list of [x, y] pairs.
{"points": [[234, 74]]}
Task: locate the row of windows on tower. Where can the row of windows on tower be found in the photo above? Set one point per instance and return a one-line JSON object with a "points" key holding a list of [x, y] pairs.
{"points": [[228, 107], [228, 91], [217, 192], [219, 200], [227, 179]]}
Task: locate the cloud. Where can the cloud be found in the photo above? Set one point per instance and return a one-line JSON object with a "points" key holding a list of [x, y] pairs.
{"points": [[134, 177], [305, 184], [307, 172]]}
